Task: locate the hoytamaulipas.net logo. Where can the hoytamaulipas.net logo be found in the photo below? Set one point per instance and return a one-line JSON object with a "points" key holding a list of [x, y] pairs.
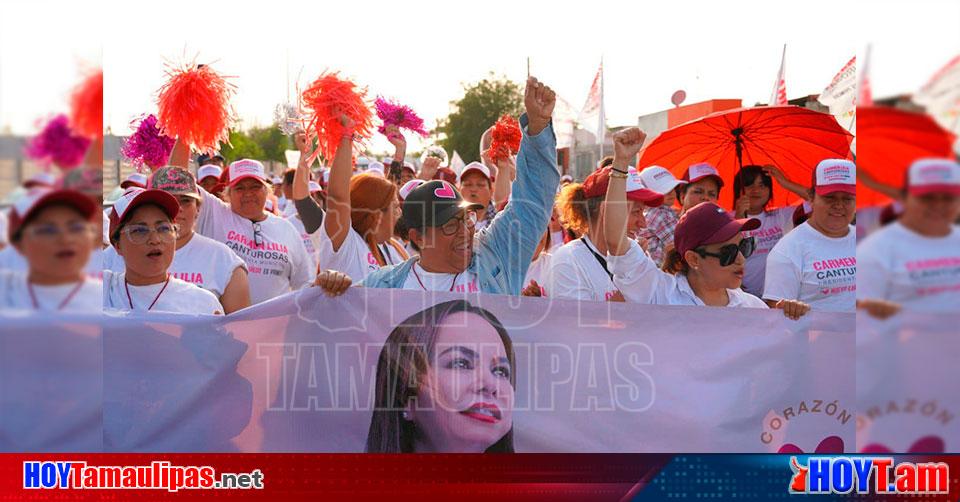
{"points": [[877, 475]]}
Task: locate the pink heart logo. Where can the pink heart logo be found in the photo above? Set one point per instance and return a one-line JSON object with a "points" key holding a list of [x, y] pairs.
{"points": [[445, 192], [926, 444], [832, 444]]}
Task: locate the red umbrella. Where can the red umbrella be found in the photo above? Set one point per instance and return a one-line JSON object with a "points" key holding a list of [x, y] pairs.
{"points": [[889, 140], [792, 138]]}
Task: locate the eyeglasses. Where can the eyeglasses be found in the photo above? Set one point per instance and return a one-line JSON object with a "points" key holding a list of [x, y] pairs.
{"points": [[139, 234], [452, 226], [728, 254], [50, 232], [257, 234]]}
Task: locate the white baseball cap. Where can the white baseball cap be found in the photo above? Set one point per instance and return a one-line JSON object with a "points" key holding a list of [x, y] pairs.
{"points": [[209, 170], [566, 177], [474, 166], [135, 179], [934, 176], [42, 179], [659, 179], [637, 190], [836, 175], [313, 186], [375, 168], [246, 168], [409, 187], [697, 172], [276, 180]]}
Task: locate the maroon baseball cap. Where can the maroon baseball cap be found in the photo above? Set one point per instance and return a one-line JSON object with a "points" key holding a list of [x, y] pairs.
{"points": [[708, 223], [596, 186]]}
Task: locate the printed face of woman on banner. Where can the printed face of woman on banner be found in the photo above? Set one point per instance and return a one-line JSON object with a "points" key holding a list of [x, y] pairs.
{"points": [[445, 383], [465, 400]]}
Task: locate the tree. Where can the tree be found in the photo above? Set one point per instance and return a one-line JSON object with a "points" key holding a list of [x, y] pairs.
{"points": [[479, 108], [272, 141], [241, 147]]}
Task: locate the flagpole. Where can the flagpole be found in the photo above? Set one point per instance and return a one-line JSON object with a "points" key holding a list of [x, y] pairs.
{"points": [[601, 130]]}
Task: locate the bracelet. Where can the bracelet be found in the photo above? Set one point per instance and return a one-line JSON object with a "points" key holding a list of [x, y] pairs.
{"points": [[618, 170], [616, 173]]}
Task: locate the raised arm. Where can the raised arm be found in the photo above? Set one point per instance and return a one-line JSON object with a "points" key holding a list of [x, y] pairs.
{"points": [[626, 144], [516, 231], [180, 155], [336, 223], [800, 190], [870, 182], [395, 137], [301, 179]]}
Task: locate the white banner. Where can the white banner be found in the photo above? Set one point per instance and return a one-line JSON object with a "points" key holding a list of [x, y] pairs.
{"points": [[299, 374], [841, 96]]}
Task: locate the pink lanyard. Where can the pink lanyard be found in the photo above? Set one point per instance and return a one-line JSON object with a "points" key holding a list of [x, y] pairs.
{"points": [[154, 302], [36, 306]]}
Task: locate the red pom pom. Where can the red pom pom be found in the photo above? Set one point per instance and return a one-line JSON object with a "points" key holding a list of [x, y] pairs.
{"points": [[86, 106], [325, 100], [194, 106], [506, 136]]}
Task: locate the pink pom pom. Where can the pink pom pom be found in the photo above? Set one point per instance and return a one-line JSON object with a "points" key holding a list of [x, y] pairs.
{"points": [[58, 144], [393, 114], [148, 146]]}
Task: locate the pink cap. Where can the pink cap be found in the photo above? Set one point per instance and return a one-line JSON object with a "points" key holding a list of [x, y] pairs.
{"points": [[246, 168], [134, 180], [136, 197], [934, 176], [697, 172], [836, 175], [474, 166], [708, 223], [40, 197]]}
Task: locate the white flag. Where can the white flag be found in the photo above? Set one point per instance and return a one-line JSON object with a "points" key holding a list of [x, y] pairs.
{"points": [[941, 96], [841, 95], [593, 109], [456, 163], [779, 95]]}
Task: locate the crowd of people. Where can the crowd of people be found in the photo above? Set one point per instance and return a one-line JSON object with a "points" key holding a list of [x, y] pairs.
{"points": [[224, 236]]}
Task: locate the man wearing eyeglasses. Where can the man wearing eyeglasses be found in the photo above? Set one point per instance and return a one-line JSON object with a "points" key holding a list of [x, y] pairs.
{"points": [[494, 260], [277, 261]]}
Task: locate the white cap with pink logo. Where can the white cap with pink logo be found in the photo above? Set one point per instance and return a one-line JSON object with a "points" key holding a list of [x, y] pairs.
{"points": [[928, 176], [836, 175], [246, 168]]}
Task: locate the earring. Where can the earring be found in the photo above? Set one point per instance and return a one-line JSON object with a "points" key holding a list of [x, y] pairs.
{"points": [[406, 415]]}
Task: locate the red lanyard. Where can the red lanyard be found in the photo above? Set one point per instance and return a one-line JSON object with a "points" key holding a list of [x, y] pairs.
{"points": [[415, 274], [154, 302], [36, 306]]}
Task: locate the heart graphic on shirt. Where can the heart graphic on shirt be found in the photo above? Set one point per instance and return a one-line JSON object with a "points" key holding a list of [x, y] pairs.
{"points": [[445, 192], [825, 291]]}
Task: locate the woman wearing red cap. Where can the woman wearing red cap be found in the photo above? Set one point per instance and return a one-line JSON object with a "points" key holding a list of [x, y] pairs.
{"points": [[143, 232], [52, 230], [579, 270], [816, 263], [915, 262], [708, 256], [703, 184]]}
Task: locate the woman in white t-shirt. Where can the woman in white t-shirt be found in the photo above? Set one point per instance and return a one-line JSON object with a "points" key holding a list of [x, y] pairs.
{"points": [[52, 230], [143, 232], [707, 258], [579, 270], [198, 260], [539, 268], [752, 192], [360, 217], [914, 263], [816, 263]]}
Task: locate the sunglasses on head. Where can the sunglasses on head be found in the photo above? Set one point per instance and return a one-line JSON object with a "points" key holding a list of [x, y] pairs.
{"points": [[728, 254]]}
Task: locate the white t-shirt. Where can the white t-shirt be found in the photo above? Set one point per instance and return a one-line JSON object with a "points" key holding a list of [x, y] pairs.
{"points": [[15, 294], [390, 252], [420, 280], [774, 224], [11, 259], [106, 227], [918, 272], [576, 274], [538, 271], [353, 258], [815, 269], [201, 261], [178, 296], [3, 228], [278, 265], [641, 281], [310, 241]]}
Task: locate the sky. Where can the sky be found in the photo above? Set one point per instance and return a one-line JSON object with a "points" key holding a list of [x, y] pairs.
{"points": [[421, 52]]}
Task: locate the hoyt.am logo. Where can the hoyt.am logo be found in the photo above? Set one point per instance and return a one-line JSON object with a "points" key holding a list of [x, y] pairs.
{"points": [[879, 475]]}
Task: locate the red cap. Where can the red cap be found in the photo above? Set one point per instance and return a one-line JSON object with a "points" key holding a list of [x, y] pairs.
{"points": [[135, 197], [38, 198], [446, 174], [708, 223], [596, 186]]}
